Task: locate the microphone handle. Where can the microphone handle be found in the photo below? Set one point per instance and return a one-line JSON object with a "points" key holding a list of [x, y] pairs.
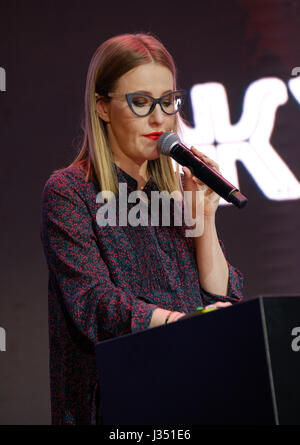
{"points": [[208, 175]]}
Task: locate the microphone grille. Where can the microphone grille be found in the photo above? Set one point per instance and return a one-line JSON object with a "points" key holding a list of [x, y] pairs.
{"points": [[166, 142]]}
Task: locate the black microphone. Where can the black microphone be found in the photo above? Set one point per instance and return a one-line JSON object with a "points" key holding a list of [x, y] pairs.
{"points": [[169, 144]]}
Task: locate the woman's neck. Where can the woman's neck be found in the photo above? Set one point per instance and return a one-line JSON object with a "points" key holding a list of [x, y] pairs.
{"points": [[138, 172]]}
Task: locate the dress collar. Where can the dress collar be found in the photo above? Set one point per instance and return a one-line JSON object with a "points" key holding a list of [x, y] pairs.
{"points": [[132, 183]]}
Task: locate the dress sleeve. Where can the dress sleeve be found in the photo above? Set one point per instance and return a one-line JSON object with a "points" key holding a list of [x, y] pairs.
{"points": [[235, 281], [235, 286], [95, 305]]}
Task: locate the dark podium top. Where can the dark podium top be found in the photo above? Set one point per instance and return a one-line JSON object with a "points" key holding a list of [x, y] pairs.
{"points": [[236, 365]]}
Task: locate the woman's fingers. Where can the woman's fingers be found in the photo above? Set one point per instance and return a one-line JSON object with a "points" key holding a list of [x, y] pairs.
{"points": [[187, 171], [190, 176], [175, 316], [205, 158], [192, 183], [219, 304], [207, 161]]}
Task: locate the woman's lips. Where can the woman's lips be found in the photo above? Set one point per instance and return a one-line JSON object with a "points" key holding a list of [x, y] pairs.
{"points": [[153, 136]]}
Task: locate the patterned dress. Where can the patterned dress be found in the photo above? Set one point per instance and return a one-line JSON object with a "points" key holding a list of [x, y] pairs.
{"points": [[105, 282]]}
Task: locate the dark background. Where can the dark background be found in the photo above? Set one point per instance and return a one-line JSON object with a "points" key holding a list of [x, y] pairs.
{"points": [[45, 48]]}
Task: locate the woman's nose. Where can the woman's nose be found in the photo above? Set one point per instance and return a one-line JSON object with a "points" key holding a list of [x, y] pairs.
{"points": [[157, 115]]}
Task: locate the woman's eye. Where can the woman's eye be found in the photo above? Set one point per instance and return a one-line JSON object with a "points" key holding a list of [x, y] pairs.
{"points": [[139, 102], [167, 103]]}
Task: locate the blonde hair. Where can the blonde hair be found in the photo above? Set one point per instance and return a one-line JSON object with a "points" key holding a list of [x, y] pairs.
{"points": [[111, 60]]}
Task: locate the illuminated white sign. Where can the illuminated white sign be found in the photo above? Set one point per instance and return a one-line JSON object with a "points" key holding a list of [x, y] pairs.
{"points": [[249, 139]]}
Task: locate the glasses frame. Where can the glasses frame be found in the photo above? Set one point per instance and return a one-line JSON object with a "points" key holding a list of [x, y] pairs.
{"points": [[129, 97]]}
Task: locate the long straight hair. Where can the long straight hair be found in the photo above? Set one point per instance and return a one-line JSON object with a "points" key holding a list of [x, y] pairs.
{"points": [[115, 57]]}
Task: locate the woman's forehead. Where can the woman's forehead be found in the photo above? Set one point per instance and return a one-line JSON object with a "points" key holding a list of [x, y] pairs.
{"points": [[149, 77]]}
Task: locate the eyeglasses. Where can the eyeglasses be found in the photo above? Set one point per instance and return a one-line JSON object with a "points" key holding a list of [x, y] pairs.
{"points": [[142, 105]]}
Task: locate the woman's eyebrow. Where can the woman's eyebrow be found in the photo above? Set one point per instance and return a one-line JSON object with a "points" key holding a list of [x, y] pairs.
{"points": [[149, 93]]}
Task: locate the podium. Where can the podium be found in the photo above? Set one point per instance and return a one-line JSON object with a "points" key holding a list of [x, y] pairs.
{"points": [[235, 365]]}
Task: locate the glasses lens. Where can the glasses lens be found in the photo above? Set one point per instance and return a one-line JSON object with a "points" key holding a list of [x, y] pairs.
{"points": [[141, 104], [172, 102]]}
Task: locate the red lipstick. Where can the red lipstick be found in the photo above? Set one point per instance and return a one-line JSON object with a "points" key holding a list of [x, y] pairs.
{"points": [[154, 136]]}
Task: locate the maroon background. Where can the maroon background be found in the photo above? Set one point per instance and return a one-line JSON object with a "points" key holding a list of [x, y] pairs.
{"points": [[45, 49]]}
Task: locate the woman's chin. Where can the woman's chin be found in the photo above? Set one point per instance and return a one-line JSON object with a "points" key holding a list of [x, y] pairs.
{"points": [[153, 154]]}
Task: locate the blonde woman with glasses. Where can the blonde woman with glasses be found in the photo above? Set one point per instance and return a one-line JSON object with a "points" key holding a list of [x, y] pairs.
{"points": [[113, 279]]}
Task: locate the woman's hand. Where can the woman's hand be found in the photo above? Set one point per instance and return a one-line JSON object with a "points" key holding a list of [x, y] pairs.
{"points": [[174, 316], [218, 304], [163, 316], [191, 183]]}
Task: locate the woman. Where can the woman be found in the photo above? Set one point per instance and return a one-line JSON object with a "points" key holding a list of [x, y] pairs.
{"points": [[105, 281]]}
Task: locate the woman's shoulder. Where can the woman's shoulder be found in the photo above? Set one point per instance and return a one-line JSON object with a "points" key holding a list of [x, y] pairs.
{"points": [[68, 181], [71, 175]]}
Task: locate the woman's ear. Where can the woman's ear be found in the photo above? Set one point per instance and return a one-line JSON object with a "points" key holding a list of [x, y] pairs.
{"points": [[102, 108]]}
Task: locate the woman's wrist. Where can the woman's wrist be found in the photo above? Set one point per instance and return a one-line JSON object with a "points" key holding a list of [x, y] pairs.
{"points": [[159, 317], [163, 316]]}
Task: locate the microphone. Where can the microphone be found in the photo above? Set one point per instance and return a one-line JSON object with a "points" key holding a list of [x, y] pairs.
{"points": [[169, 144]]}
